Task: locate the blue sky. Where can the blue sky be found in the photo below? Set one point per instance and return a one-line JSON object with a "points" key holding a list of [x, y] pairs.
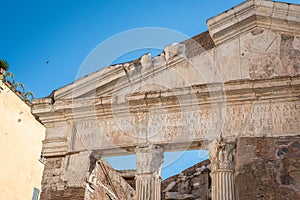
{"points": [[64, 32]]}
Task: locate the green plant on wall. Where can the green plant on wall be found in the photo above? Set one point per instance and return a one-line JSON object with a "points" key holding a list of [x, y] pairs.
{"points": [[9, 78], [2, 77], [3, 67], [4, 64], [28, 96], [16, 86]]}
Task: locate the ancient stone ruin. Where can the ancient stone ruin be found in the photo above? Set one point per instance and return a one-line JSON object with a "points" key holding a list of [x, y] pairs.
{"points": [[233, 90], [192, 183]]}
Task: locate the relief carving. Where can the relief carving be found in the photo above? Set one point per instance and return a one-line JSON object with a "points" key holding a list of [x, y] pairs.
{"points": [[271, 54], [263, 66], [290, 57]]}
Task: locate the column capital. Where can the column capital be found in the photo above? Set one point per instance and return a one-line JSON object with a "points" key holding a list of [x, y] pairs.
{"points": [[221, 156], [149, 159]]}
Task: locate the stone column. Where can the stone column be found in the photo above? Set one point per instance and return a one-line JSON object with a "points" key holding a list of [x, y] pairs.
{"points": [[222, 171], [149, 160]]}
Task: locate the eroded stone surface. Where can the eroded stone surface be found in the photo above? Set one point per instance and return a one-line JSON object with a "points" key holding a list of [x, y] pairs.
{"points": [[290, 57], [289, 164]]}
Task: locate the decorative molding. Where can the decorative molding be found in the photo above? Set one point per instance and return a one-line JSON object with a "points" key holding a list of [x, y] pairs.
{"points": [[237, 91], [277, 16]]}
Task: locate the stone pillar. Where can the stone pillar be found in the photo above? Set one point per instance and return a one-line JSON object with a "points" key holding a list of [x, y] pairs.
{"points": [[222, 171], [149, 160]]}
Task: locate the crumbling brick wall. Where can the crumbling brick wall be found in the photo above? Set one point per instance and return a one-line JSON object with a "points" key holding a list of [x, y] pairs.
{"points": [[52, 186], [106, 183], [192, 183], [268, 168]]}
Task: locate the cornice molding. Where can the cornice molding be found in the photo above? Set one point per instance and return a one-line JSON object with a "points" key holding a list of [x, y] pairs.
{"points": [[125, 74], [233, 92], [276, 16]]}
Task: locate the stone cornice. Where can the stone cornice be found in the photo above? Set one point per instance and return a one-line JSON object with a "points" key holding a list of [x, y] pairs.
{"points": [[83, 85], [233, 92], [124, 74], [277, 16]]}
